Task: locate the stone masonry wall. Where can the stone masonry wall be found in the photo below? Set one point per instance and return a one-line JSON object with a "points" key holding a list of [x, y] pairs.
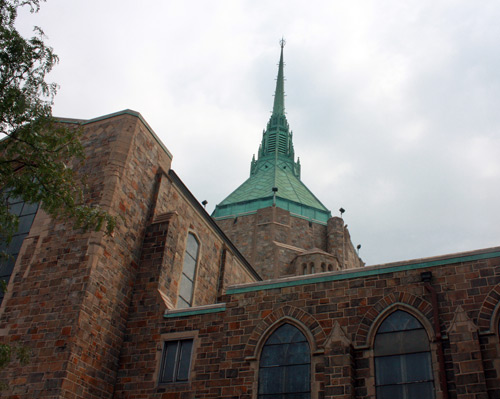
{"points": [[258, 236], [157, 285], [70, 292], [339, 243], [187, 219], [339, 316]]}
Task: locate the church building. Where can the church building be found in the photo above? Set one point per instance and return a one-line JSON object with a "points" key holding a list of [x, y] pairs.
{"points": [[266, 298]]}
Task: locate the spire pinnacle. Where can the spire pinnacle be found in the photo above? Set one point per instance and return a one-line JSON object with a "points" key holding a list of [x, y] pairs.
{"points": [[279, 95]]}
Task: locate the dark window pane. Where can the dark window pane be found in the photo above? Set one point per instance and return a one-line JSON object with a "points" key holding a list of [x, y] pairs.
{"points": [[421, 390], [271, 380], [184, 360], [25, 223], [297, 378], [6, 279], [401, 342], [296, 353], [418, 367], [285, 334], [15, 244], [391, 392], [388, 370], [6, 266], [29, 208], [399, 321], [176, 361], [16, 208], [285, 365], [402, 359], [272, 355], [168, 366]]}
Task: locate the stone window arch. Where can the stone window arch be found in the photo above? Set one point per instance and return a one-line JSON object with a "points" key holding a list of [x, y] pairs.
{"points": [[494, 322], [323, 268], [330, 268], [402, 354], [312, 267], [285, 365], [186, 287], [304, 268]]}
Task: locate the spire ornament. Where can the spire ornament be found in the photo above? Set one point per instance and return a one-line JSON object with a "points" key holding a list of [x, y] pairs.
{"points": [[274, 175], [279, 94]]}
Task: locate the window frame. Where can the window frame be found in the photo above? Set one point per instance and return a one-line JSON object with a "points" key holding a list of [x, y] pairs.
{"points": [[178, 359], [368, 352], [171, 337], [180, 298], [26, 210], [264, 343], [403, 355]]}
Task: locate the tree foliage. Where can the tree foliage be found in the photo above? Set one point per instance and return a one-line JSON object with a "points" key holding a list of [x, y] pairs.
{"points": [[36, 153], [7, 353]]}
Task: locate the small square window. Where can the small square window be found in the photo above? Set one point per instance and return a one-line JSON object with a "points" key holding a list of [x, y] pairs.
{"points": [[176, 361]]}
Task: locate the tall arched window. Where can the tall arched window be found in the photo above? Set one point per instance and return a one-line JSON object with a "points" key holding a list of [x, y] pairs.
{"points": [[402, 359], [285, 365], [188, 272]]}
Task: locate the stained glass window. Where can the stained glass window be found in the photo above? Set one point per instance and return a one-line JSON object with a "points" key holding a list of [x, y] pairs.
{"points": [[285, 365], [402, 359], [188, 273]]}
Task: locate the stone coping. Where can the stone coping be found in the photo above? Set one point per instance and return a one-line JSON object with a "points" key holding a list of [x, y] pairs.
{"points": [[195, 310], [366, 271], [235, 215], [124, 112]]}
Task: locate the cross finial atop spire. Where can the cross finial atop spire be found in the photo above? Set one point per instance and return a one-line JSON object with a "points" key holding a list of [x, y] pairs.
{"points": [[282, 42]]}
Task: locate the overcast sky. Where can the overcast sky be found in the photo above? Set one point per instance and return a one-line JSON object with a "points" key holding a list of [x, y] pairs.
{"points": [[394, 105]]}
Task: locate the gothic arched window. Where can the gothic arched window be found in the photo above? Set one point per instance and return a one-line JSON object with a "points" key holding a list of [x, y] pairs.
{"points": [[285, 365], [188, 272], [402, 359]]}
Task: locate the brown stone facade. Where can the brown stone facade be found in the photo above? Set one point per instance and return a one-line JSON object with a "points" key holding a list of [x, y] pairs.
{"points": [[274, 241], [70, 293], [339, 313], [97, 311]]}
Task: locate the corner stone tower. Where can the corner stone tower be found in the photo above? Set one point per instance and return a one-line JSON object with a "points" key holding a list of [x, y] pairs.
{"points": [[274, 219]]}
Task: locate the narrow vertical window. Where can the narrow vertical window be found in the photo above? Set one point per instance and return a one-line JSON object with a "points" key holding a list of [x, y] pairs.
{"points": [[285, 365], [188, 272], [402, 359], [176, 361], [26, 213]]}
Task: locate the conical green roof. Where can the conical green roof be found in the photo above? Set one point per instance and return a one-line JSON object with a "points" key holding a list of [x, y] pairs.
{"points": [[274, 176]]}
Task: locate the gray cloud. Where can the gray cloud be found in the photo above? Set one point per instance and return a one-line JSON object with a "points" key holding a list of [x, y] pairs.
{"points": [[394, 105]]}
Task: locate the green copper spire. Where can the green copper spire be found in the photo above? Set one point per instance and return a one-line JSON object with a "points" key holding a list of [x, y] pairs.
{"points": [[277, 138], [279, 95], [274, 176]]}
